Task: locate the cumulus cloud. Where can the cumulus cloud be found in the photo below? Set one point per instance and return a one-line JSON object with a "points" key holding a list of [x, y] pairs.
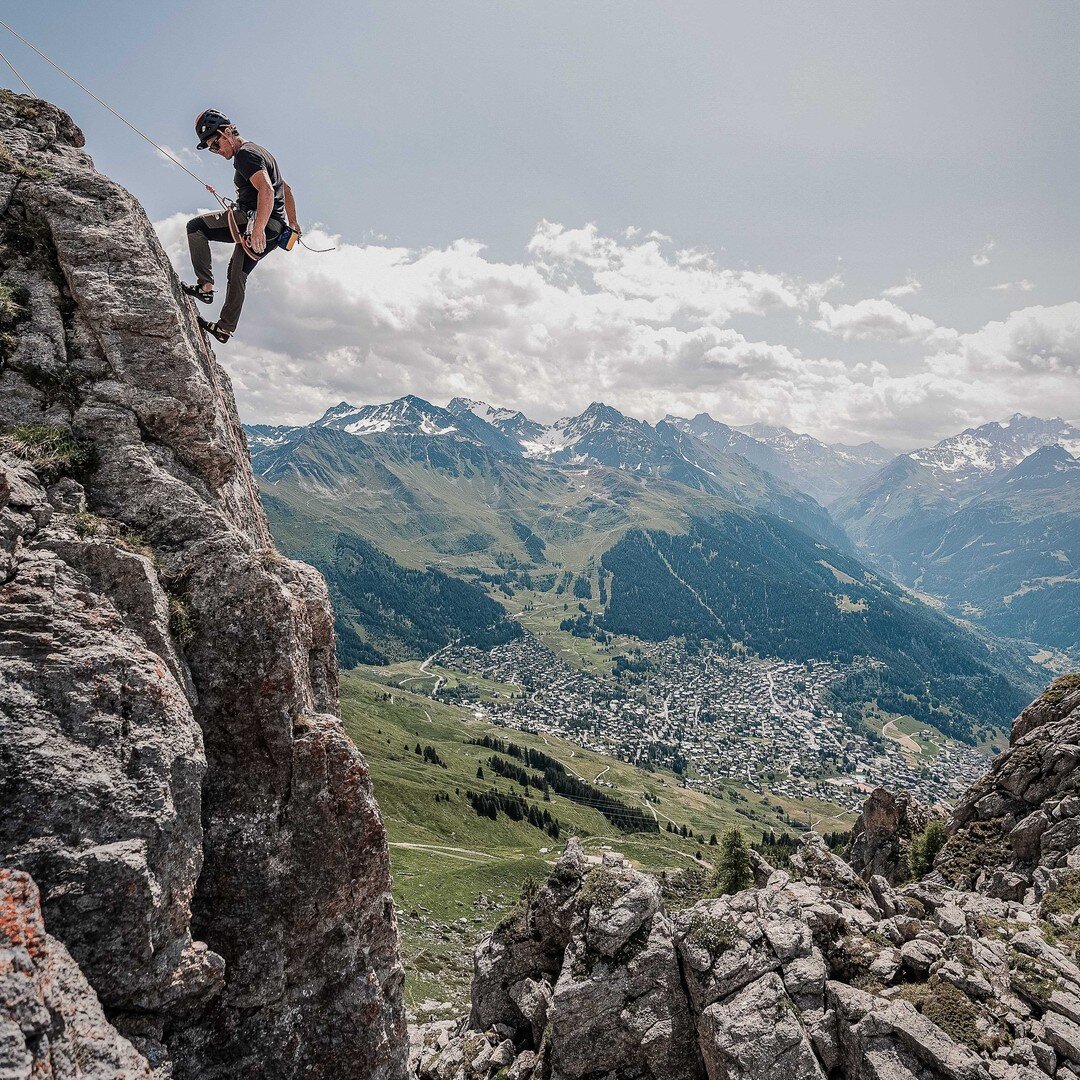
{"points": [[1023, 285], [906, 288], [982, 256], [1032, 345], [632, 320], [878, 320]]}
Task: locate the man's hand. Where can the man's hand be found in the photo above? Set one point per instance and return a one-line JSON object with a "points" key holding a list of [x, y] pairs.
{"points": [[257, 240]]}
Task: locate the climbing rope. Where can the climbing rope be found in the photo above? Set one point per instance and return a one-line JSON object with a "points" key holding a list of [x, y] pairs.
{"points": [[226, 204], [15, 72]]}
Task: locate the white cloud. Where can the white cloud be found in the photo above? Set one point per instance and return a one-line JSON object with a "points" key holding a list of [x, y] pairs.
{"points": [[1007, 286], [878, 320], [168, 156], [982, 256], [910, 285], [584, 316], [1029, 348]]}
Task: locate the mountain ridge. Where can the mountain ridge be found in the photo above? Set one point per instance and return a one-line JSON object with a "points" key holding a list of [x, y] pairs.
{"points": [[984, 521]]}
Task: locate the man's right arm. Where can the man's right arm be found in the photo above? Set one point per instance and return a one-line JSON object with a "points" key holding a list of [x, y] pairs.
{"points": [[290, 209]]}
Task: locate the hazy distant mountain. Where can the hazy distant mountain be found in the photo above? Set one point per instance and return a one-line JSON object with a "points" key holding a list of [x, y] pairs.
{"points": [[978, 453], [822, 470], [1010, 557], [987, 520]]}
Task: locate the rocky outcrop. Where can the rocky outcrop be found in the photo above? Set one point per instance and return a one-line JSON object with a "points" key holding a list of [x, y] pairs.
{"points": [[1017, 830], [52, 1025], [173, 771], [881, 838], [813, 973]]}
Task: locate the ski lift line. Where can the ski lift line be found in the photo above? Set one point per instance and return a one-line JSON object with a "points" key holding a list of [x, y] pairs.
{"points": [[226, 204], [15, 72]]}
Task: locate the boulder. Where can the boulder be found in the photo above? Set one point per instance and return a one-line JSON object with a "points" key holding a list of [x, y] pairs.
{"points": [[619, 1005], [756, 1033]]}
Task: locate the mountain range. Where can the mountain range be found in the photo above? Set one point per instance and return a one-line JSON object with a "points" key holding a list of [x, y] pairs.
{"points": [[662, 531], [822, 470], [987, 522]]}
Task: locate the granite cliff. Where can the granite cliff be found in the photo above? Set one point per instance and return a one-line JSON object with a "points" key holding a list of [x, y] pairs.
{"points": [[969, 973], [196, 881]]}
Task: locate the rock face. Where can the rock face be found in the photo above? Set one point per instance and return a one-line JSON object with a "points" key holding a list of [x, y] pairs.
{"points": [[813, 973], [52, 1025], [1018, 828], [881, 838], [173, 772]]}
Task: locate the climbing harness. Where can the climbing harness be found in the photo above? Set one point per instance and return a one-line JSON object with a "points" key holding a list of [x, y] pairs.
{"points": [[228, 205]]}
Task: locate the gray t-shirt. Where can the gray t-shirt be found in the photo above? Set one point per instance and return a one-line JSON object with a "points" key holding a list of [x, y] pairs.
{"points": [[248, 160]]}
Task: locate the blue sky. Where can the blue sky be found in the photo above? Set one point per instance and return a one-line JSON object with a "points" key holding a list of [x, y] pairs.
{"points": [[841, 149]]}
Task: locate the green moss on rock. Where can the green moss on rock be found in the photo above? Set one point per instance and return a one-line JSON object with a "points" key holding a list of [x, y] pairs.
{"points": [[713, 934], [948, 1007]]}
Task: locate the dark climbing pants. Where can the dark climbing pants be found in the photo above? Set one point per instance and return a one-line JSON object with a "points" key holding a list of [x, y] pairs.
{"points": [[201, 231]]}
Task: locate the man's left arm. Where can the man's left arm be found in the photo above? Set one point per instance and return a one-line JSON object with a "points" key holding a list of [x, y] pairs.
{"points": [[290, 208], [261, 182]]}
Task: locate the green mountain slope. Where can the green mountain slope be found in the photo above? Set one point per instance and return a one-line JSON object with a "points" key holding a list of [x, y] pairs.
{"points": [[384, 611]]}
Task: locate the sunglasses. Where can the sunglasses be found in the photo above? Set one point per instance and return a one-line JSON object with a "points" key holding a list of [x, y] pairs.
{"points": [[214, 144]]}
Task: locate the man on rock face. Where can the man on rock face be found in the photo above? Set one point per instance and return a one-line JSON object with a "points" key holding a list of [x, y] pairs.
{"points": [[264, 211]]}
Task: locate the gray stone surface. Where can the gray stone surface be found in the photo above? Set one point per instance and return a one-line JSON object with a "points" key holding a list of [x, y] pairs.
{"points": [[175, 776], [881, 838], [52, 1026]]}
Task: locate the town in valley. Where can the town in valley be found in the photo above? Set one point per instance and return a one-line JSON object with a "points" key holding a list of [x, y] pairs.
{"points": [[717, 719]]}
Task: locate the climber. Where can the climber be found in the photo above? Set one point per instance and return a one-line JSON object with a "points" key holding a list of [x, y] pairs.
{"points": [[264, 212]]}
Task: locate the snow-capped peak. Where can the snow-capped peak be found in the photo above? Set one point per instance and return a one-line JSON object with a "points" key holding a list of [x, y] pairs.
{"points": [[405, 415], [998, 445]]}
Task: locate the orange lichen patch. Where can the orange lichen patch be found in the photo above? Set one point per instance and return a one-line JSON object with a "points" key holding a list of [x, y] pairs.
{"points": [[21, 925]]}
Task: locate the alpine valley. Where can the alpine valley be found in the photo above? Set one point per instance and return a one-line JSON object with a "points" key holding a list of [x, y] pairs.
{"points": [[987, 523], [442, 530]]}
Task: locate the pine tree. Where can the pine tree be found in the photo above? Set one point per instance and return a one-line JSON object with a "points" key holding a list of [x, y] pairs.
{"points": [[479, 772], [733, 865], [925, 846], [712, 840]]}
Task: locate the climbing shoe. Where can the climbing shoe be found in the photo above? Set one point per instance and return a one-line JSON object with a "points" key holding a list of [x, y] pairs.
{"points": [[206, 296], [215, 330]]}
